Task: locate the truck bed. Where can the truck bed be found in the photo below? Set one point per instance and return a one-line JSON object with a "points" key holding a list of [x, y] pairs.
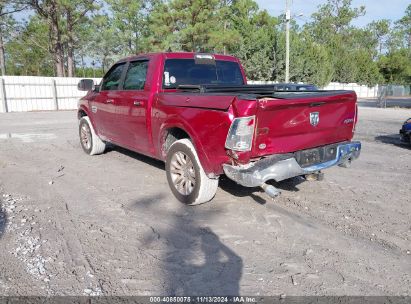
{"points": [[257, 91], [286, 121]]}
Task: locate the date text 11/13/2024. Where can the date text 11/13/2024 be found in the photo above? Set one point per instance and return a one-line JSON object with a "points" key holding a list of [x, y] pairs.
{"points": [[203, 299]]}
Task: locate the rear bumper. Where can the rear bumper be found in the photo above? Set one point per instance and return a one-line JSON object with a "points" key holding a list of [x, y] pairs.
{"points": [[283, 166]]}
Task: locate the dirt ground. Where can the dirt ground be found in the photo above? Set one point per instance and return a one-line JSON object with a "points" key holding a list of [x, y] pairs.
{"points": [[71, 224]]}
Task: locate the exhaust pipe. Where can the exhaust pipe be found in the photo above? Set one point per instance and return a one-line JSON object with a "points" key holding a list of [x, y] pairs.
{"points": [[271, 191]]}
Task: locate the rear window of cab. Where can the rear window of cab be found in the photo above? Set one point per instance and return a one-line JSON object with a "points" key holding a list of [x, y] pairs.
{"points": [[189, 72]]}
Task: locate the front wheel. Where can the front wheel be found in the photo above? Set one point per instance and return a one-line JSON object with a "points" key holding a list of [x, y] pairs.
{"points": [[185, 175], [89, 140]]}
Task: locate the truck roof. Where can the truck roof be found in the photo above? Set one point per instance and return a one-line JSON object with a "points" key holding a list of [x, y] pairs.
{"points": [[177, 55]]}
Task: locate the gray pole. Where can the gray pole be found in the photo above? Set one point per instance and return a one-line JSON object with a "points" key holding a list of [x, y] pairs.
{"points": [[54, 92], [3, 96], [287, 41]]}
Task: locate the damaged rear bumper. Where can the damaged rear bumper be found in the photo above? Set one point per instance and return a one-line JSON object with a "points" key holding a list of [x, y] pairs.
{"points": [[282, 166]]}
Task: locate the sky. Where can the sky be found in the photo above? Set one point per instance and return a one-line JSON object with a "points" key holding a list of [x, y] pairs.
{"points": [[375, 9]]}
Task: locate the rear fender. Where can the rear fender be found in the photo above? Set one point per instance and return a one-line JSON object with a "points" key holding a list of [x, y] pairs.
{"points": [[243, 107], [176, 123]]}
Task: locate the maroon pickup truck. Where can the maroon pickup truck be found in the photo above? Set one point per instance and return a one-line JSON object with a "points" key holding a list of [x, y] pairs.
{"points": [[197, 113]]}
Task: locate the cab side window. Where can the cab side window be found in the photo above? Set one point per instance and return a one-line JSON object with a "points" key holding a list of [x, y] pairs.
{"points": [[112, 79], [136, 75]]}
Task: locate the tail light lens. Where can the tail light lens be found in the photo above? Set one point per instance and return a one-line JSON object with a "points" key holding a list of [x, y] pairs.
{"points": [[240, 135]]}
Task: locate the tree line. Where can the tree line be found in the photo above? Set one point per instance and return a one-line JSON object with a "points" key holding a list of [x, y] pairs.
{"points": [[84, 37]]}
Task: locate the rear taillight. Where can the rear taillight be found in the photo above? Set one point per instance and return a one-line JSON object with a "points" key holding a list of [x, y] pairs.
{"points": [[240, 135]]}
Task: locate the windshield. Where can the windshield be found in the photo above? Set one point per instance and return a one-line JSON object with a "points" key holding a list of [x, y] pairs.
{"points": [[188, 72]]}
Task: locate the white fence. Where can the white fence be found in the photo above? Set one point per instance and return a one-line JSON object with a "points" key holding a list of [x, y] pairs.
{"points": [[32, 93], [362, 90]]}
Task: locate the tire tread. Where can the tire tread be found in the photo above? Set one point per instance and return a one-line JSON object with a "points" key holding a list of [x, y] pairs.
{"points": [[97, 145], [208, 186]]}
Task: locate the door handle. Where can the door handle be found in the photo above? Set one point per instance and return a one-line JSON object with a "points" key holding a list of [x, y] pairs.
{"points": [[109, 100], [138, 103]]}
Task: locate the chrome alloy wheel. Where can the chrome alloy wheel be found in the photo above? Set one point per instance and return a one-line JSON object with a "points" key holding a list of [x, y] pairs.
{"points": [[182, 173], [85, 136]]}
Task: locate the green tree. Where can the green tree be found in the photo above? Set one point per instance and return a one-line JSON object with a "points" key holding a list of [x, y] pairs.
{"points": [[74, 21], [396, 67], [333, 19], [63, 33], [380, 30], [101, 43], [404, 27], [28, 52], [50, 11], [187, 25], [65, 18], [225, 37], [130, 23], [257, 35], [332, 27], [310, 61], [7, 23]]}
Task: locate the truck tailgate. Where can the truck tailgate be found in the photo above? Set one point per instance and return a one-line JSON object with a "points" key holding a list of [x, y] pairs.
{"points": [[303, 122]]}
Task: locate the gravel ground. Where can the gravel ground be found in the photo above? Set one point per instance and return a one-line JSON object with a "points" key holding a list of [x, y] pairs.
{"points": [[71, 224]]}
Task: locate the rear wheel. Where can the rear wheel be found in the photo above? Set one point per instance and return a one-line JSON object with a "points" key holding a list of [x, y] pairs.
{"points": [[89, 140], [186, 176]]}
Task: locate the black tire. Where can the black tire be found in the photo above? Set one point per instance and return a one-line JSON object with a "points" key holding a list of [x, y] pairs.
{"points": [[93, 145], [203, 187]]}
